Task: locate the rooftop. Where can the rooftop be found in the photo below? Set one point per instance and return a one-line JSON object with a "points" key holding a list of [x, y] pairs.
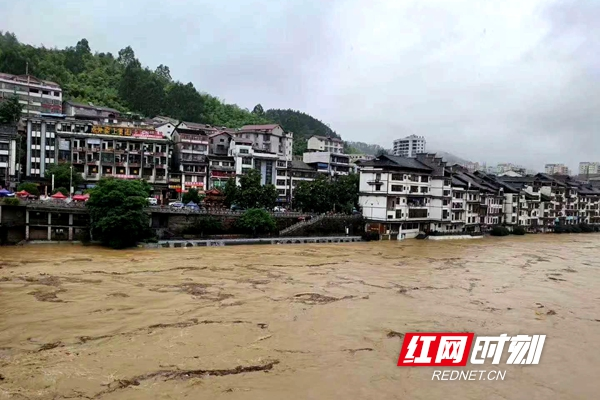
{"points": [[332, 138], [268, 127], [396, 161], [29, 79], [91, 106], [300, 165]]}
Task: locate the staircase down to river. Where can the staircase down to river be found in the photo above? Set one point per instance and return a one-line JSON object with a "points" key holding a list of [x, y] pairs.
{"points": [[301, 224]]}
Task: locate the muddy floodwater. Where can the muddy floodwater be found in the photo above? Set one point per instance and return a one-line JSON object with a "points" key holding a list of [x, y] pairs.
{"points": [[316, 321]]}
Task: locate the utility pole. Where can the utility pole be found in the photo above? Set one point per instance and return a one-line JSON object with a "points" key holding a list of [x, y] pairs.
{"points": [[70, 183]]}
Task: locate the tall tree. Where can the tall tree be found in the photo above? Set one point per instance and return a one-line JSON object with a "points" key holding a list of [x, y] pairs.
{"points": [[62, 175], [163, 72], [127, 57], [117, 212], [258, 110], [230, 191]]}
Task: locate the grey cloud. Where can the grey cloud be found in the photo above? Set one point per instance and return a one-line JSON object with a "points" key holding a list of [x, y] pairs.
{"points": [[489, 81]]}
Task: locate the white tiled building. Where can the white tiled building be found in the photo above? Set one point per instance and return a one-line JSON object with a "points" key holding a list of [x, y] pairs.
{"points": [[409, 146], [327, 144]]}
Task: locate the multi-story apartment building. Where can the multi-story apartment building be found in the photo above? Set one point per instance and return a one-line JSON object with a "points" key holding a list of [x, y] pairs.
{"points": [[221, 168], [402, 196], [323, 143], [37, 96], [8, 156], [589, 205], [589, 168], [272, 151], [557, 169], [395, 195], [190, 151], [328, 163], [97, 151], [248, 157], [409, 146]]}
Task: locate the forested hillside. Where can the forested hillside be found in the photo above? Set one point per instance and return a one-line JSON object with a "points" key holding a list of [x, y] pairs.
{"points": [[119, 81], [303, 126]]}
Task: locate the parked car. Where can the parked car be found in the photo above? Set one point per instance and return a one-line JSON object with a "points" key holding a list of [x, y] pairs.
{"points": [[152, 201], [176, 204], [235, 207], [279, 209]]}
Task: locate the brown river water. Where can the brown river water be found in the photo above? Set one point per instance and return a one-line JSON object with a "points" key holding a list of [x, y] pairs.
{"points": [[317, 321]]}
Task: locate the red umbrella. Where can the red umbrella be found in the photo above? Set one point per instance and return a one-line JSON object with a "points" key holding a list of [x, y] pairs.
{"points": [[58, 195], [81, 197], [23, 193]]}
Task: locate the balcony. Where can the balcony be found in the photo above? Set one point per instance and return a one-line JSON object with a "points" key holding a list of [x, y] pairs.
{"points": [[222, 168]]}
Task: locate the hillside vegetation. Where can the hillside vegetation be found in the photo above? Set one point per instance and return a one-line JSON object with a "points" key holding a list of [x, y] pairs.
{"points": [[121, 82]]}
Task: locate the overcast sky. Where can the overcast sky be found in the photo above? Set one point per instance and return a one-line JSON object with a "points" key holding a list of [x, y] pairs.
{"points": [[497, 81]]}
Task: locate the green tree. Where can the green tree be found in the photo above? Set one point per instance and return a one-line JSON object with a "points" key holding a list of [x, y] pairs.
{"points": [[230, 191], [344, 193], [62, 175], [117, 212], [163, 72], [251, 194], [314, 195], [257, 221], [258, 110], [183, 102], [250, 190], [29, 187], [268, 196], [10, 111], [191, 195], [127, 56]]}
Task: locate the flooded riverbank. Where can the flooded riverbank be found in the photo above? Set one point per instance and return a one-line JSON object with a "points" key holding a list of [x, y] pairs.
{"points": [[304, 321]]}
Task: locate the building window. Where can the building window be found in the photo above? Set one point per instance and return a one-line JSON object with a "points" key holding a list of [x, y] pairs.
{"points": [[424, 178], [398, 213], [377, 188], [424, 190], [397, 188], [397, 177], [280, 182], [378, 176]]}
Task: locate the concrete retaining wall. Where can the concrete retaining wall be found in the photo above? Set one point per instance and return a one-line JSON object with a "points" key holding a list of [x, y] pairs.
{"points": [[233, 242]]}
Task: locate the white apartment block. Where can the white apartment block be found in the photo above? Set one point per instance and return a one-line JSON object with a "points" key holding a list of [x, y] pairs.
{"points": [[409, 146], [327, 144], [589, 168], [272, 149], [557, 169], [328, 163], [37, 96], [402, 196]]}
